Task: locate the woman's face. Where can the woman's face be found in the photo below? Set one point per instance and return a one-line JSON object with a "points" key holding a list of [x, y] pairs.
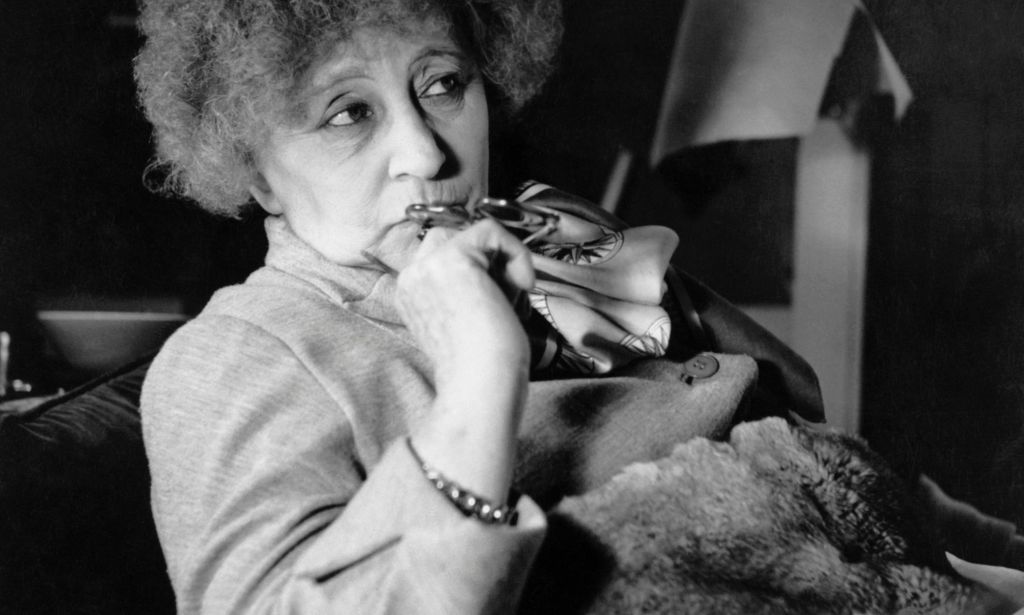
{"points": [[387, 119]]}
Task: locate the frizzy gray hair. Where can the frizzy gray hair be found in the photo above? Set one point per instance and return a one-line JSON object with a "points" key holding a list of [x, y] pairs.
{"points": [[213, 75]]}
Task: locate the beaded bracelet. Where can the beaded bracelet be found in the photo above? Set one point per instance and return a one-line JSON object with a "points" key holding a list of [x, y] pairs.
{"points": [[466, 501]]}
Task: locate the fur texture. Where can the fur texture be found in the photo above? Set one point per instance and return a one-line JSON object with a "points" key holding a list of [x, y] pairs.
{"points": [[777, 520]]}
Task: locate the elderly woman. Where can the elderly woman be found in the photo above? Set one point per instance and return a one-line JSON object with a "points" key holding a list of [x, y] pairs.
{"points": [[341, 432]]}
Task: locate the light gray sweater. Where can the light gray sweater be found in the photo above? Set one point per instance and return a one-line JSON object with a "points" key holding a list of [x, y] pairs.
{"points": [[270, 422]]}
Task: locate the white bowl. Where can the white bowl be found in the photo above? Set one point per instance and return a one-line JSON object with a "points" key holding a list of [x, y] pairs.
{"points": [[96, 341]]}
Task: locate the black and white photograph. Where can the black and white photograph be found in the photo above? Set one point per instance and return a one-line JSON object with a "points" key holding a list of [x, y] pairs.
{"points": [[512, 307]]}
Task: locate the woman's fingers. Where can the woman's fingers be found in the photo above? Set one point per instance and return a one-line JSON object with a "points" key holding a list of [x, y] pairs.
{"points": [[461, 290], [1006, 582], [509, 258], [493, 248]]}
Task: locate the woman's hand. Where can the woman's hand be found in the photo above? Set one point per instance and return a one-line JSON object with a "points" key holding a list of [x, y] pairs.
{"points": [[457, 299]]}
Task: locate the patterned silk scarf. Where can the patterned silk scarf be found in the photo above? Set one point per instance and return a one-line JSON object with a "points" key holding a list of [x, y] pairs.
{"points": [[596, 305]]}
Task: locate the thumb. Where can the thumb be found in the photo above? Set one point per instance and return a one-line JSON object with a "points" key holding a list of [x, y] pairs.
{"points": [[508, 260], [1006, 582]]}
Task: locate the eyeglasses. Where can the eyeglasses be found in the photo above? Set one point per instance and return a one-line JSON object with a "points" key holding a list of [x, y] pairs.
{"points": [[527, 221]]}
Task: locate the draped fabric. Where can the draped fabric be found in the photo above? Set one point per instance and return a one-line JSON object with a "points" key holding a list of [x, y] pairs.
{"points": [[598, 292]]}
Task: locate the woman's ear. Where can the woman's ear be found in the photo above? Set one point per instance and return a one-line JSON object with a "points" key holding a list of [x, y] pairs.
{"points": [[260, 190]]}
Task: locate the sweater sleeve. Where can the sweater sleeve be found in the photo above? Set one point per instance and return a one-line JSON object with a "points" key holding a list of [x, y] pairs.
{"points": [[262, 505]]}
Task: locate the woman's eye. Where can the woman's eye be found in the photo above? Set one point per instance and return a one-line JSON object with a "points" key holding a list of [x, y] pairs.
{"points": [[350, 115], [446, 85]]}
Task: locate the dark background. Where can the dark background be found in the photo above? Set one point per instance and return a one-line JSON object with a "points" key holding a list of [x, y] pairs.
{"points": [[77, 226], [943, 370], [944, 347]]}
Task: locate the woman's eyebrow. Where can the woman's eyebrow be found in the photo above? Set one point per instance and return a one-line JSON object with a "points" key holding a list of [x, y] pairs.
{"points": [[452, 52], [332, 77], [345, 70]]}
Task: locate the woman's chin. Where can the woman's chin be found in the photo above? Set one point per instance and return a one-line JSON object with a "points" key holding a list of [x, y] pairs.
{"points": [[396, 248]]}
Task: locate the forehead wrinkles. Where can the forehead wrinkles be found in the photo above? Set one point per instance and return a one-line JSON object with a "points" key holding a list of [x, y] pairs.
{"points": [[362, 44], [366, 48]]}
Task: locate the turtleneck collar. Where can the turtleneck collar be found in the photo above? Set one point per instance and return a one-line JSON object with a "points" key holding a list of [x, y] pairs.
{"points": [[366, 289]]}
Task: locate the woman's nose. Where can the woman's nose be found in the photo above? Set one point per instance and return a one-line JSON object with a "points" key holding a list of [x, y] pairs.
{"points": [[416, 149]]}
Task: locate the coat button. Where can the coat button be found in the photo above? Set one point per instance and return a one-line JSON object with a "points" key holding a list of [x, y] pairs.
{"points": [[700, 366]]}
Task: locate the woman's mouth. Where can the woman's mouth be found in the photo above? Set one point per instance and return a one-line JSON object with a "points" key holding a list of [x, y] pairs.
{"points": [[427, 215]]}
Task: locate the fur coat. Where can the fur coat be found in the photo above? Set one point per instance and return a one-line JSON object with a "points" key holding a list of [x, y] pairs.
{"points": [[778, 519]]}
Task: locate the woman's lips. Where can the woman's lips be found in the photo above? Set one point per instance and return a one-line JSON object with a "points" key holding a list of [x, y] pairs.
{"points": [[452, 215], [442, 193]]}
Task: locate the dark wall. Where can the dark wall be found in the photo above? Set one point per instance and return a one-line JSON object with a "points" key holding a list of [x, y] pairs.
{"points": [[76, 223], [944, 348]]}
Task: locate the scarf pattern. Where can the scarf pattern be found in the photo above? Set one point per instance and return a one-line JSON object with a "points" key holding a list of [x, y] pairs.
{"points": [[598, 292]]}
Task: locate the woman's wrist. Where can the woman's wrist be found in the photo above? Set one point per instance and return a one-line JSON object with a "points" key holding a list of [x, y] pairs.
{"points": [[470, 436], [468, 502]]}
